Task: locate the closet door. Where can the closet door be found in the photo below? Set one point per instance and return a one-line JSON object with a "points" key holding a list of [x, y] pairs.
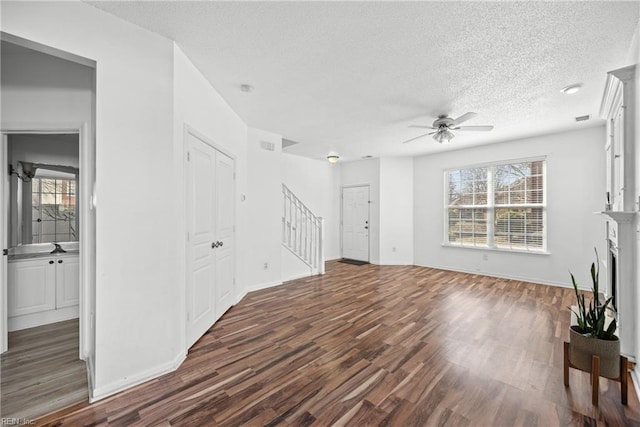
{"points": [[225, 231], [210, 263], [200, 263]]}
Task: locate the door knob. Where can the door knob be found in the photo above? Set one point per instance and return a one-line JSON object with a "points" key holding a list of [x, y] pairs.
{"points": [[50, 262], [59, 261], [366, 227]]}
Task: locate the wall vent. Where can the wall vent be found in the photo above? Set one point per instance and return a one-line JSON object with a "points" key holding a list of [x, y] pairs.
{"points": [[269, 146], [583, 118]]}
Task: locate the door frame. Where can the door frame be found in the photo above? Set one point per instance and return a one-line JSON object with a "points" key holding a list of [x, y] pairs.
{"points": [[342, 188], [190, 130], [87, 238]]}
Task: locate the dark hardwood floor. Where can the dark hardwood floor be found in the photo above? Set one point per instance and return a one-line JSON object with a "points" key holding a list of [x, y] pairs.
{"points": [[41, 371], [371, 345]]}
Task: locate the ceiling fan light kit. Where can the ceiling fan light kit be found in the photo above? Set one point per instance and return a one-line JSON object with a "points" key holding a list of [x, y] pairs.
{"points": [[333, 158], [444, 136], [443, 126]]}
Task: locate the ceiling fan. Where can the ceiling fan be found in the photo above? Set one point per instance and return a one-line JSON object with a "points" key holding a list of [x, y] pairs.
{"points": [[444, 125]]}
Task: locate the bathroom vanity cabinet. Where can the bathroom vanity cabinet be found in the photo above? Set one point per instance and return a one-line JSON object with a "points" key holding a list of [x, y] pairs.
{"points": [[42, 289]]}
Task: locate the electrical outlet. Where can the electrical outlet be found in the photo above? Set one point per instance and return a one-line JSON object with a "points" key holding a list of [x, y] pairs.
{"points": [[266, 265], [393, 249]]}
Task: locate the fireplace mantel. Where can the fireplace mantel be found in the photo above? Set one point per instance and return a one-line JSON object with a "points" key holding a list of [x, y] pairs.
{"points": [[621, 217]]}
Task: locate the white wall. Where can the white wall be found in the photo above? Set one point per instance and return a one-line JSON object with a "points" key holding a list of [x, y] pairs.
{"points": [[575, 189], [40, 88], [366, 172], [136, 318], [264, 201], [197, 105], [317, 184], [396, 211]]}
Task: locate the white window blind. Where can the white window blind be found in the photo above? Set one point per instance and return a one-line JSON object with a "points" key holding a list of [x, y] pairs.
{"points": [[499, 205]]}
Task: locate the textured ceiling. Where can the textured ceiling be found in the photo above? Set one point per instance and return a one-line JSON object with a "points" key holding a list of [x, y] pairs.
{"points": [[350, 77]]}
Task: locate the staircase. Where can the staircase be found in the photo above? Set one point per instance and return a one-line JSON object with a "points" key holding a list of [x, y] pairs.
{"points": [[302, 232]]}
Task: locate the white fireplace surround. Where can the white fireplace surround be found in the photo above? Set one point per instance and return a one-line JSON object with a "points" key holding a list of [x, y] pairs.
{"points": [[618, 109], [621, 241]]}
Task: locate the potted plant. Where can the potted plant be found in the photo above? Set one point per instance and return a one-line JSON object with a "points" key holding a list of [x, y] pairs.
{"points": [[592, 335]]}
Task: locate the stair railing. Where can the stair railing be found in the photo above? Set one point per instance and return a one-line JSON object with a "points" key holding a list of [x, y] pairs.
{"points": [[302, 231]]}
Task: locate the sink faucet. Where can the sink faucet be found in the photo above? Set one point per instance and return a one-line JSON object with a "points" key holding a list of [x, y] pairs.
{"points": [[58, 249]]}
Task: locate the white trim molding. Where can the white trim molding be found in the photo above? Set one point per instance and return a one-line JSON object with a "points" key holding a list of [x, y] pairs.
{"points": [[128, 382]]}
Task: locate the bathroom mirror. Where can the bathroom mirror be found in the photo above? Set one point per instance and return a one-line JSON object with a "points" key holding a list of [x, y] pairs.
{"points": [[43, 188]]}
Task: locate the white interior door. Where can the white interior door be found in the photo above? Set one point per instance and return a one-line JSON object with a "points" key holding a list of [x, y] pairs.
{"points": [[355, 223], [4, 228], [201, 275], [225, 267], [211, 235]]}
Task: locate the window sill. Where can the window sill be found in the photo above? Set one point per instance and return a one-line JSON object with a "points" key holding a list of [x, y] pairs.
{"points": [[510, 251]]}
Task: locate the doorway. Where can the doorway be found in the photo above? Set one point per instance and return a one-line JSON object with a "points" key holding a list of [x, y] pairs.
{"points": [[55, 100], [41, 279], [210, 263], [355, 223]]}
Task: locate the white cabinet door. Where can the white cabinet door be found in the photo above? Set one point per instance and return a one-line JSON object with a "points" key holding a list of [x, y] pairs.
{"points": [[67, 281], [32, 286]]}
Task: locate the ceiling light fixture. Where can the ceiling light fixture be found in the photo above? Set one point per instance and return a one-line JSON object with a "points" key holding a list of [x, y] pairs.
{"points": [[28, 171], [443, 136], [333, 158], [571, 89]]}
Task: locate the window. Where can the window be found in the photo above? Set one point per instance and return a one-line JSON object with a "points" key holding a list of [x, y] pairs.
{"points": [[53, 210], [497, 206]]}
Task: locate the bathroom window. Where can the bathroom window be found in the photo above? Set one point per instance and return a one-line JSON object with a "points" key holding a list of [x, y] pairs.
{"points": [[53, 215]]}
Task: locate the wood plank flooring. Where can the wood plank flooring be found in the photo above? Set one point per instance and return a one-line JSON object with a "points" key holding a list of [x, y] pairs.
{"points": [[372, 345], [41, 372]]}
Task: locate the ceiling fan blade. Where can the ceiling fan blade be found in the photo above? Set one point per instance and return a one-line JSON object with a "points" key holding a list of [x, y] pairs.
{"points": [[417, 137], [476, 128], [421, 126], [463, 118]]}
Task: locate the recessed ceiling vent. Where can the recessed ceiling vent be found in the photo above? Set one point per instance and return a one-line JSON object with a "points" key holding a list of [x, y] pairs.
{"points": [[583, 118]]}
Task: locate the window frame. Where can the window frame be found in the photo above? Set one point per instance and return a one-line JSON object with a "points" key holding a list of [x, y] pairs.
{"points": [[491, 206]]}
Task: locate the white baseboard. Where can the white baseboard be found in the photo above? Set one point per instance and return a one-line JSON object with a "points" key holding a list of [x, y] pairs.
{"points": [[89, 362], [27, 321], [263, 286], [257, 288], [107, 390], [299, 276], [501, 276]]}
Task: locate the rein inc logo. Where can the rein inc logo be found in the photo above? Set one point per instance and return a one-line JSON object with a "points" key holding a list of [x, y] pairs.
{"points": [[16, 422]]}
